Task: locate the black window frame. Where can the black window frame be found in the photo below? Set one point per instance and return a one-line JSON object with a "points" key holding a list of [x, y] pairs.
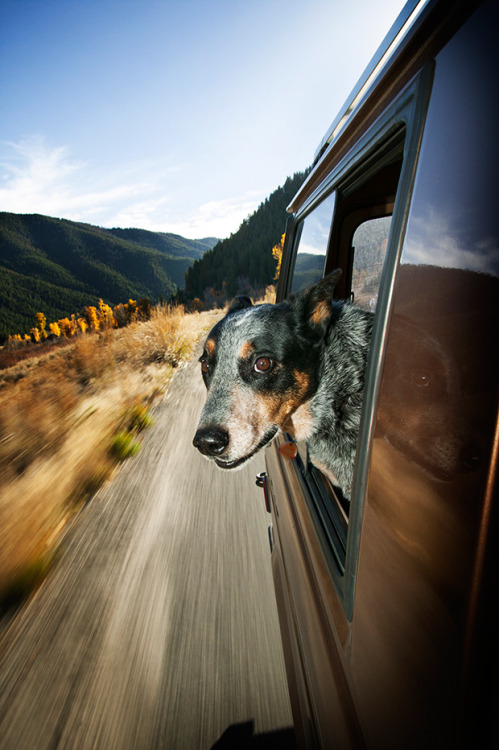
{"points": [[397, 133]]}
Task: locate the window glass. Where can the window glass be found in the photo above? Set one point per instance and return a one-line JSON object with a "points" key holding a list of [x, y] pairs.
{"points": [[313, 237], [369, 245]]}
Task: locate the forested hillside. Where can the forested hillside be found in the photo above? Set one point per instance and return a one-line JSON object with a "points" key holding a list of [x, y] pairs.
{"points": [[243, 263], [57, 267]]}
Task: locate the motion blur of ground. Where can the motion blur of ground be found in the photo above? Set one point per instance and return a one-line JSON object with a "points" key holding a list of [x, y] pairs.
{"points": [[68, 415]]}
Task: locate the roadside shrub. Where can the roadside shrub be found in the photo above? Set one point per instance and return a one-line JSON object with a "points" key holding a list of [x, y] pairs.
{"points": [[91, 357], [137, 417], [34, 422], [124, 445]]}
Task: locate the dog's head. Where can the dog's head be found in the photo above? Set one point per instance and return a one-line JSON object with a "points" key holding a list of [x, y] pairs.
{"points": [[260, 366]]}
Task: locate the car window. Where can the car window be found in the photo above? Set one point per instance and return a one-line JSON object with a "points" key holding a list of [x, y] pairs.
{"points": [[369, 245], [350, 230], [312, 243]]}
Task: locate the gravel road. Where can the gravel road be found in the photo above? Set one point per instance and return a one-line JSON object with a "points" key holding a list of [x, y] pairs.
{"points": [[158, 628]]}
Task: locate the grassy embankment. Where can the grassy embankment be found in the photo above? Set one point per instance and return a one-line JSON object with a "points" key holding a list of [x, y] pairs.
{"points": [[67, 417]]}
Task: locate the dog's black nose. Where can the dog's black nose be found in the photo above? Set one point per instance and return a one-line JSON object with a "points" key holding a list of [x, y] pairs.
{"points": [[211, 441]]}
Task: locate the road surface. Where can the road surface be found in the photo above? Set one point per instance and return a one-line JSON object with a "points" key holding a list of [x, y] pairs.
{"points": [[158, 628]]}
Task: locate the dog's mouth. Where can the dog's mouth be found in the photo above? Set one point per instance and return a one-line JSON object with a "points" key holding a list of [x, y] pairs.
{"points": [[270, 435]]}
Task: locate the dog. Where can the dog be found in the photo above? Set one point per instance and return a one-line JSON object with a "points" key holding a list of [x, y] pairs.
{"points": [[296, 367]]}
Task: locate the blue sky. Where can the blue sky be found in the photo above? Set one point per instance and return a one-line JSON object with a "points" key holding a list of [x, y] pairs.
{"points": [[171, 115]]}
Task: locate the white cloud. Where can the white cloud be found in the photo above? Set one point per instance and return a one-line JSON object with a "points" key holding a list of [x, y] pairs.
{"points": [[433, 241], [41, 179], [38, 178], [218, 218], [34, 175]]}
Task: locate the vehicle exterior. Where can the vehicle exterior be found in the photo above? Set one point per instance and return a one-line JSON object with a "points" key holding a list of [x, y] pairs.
{"points": [[386, 601]]}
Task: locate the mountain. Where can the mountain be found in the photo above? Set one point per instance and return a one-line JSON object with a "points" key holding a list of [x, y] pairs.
{"points": [[243, 263], [171, 244], [57, 267]]}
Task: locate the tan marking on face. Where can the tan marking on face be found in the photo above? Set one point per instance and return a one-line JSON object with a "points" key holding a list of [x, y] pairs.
{"points": [[246, 350], [210, 347], [279, 407], [300, 424], [303, 382], [298, 421], [321, 312], [253, 414]]}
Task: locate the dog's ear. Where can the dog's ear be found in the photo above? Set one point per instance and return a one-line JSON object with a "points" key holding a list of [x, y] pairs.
{"points": [[316, 301], [239, 303]]}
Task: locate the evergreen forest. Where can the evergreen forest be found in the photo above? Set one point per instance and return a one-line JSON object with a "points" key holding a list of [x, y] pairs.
{"points": [[58, 267], [243, 263]]}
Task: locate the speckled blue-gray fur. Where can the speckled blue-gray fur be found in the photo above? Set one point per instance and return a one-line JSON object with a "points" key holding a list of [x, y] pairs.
{"points": [[296, 367]]}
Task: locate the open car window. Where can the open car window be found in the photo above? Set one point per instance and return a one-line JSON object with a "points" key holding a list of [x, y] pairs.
{"points": [[348, 229]]}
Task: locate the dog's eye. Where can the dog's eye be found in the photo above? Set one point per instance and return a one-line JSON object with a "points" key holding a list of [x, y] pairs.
{"points": [[263, 364], [205, 367]]}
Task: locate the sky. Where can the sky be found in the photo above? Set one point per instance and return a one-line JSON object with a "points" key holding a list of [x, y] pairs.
{"points": [[171, 115]]}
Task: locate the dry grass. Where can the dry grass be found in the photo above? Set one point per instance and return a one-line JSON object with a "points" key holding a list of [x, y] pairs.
{"points": [[60, 418]]}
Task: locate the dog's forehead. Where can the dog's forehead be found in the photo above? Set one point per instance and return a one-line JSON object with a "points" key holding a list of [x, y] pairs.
{"points": [[248, 325], [251, 316], [239, 326]]}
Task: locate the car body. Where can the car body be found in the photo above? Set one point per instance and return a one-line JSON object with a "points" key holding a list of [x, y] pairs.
{"points": [[386, 601]]}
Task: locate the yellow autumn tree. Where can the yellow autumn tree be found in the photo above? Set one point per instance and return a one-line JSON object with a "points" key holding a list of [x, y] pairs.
{"points": [[106, 318], [92, 317], [277, 254], [40, 323], [66, 327], [54, 328], [82, 324]]}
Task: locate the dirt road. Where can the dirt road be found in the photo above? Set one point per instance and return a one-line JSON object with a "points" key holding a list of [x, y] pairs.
{"points": [[158, 628]]}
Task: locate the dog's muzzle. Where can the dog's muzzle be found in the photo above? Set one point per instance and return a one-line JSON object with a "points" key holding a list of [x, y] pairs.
{"points": [[211, 441]]}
